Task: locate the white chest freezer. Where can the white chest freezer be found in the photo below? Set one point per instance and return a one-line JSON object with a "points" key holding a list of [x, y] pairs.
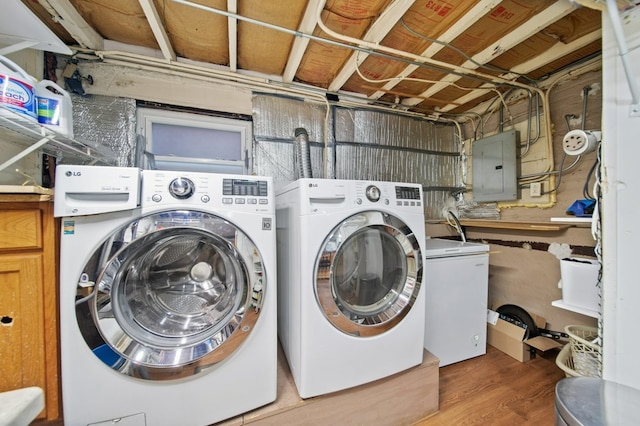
{"points": [[456, 281]]}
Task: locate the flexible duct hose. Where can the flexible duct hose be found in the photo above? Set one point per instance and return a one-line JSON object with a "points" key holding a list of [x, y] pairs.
{"points": [[302, 153]]}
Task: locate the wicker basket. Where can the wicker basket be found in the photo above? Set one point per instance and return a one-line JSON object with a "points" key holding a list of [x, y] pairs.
{"points": [[564, 360], [584, 349]]}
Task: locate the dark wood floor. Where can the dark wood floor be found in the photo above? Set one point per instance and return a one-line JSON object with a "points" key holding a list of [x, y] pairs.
{"points": [[495, 389]]}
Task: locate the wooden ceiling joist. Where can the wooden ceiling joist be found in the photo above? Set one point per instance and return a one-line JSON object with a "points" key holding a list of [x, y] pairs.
{"points": [[479, 10], [376, 33], [232, 23], [558, 51], [158, 29], [529, 28], [307, 25], [67, 15]]}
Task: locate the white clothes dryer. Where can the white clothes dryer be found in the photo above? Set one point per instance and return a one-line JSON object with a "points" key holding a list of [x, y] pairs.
{"points": [[167, 295], [350, 266]]}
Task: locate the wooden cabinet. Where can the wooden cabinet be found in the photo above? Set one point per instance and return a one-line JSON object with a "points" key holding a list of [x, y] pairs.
{"points": [[28, 297]]}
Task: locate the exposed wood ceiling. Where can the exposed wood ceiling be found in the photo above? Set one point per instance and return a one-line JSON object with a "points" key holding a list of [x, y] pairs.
{"points": [[427, 55]]}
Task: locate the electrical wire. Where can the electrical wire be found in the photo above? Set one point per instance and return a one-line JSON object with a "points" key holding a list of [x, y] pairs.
{"points": [[530, 142], [596, 233], [462, 53], [418, 60], [585, 188], [564, 156], [554, 172], [419, 80], [595, 218], [491, 109], [549, 85], [456, 224]]}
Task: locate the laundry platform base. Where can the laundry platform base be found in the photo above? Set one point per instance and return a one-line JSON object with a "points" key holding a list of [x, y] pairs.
{"points": [[401, 399]]}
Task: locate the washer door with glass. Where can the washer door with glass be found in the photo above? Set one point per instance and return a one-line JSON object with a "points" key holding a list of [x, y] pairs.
{"points": [[368, 273], [170, 294]]}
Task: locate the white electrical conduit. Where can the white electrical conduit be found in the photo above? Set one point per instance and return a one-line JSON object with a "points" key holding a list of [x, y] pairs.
{"points": [[159, 62], [186, 69], [547, 86], [549, 173], [146, 63], [534, 175], [590, 66], [369, 80], [616, 24]]}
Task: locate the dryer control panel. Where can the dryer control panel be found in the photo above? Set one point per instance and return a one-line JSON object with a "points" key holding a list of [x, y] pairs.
{"points": [[408, 195], [391, 194]]}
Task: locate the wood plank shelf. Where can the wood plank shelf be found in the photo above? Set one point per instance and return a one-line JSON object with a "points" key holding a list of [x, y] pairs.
{"points": [[521, 226]]}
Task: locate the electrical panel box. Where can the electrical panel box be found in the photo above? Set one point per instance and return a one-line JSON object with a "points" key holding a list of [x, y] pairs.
{"points": [[494, 165]]}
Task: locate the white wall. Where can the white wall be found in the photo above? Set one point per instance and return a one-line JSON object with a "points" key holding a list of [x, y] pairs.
{"points": [[621, 207]]}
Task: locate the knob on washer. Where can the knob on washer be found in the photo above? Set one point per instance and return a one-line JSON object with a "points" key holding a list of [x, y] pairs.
{"points": [[181, 188], [373, 193]]}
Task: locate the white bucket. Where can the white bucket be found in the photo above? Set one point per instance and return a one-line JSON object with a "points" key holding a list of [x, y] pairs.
{"points": [[54, 108], [580, 282], [17, 90]]}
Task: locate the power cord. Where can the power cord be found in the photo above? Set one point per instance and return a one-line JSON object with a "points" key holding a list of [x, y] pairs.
{"points": [[456, 225]]}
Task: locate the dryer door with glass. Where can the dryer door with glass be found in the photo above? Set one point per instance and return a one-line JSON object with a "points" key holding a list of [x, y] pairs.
{"points": [[368, 273], [170, 294]]}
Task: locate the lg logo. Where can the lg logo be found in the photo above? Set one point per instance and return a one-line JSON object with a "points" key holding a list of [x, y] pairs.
{"points": [[69, 173]]}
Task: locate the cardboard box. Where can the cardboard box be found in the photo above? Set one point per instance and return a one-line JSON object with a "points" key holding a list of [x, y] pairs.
{"points": [[509, 338]]}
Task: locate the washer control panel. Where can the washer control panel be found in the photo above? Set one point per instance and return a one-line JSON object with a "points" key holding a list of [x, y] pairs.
{"points": [[243, 190], [250, 193]]}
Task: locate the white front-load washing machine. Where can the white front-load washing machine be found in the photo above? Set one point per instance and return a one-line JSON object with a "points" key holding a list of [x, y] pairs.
{"points": [[167, 295], [350, 267]]}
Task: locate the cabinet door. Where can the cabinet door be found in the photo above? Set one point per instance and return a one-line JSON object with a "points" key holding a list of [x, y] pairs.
{"points": [[22, 350]]}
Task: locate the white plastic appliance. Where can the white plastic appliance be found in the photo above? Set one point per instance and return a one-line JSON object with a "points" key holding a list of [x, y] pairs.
{"points": [[456, 291], [350, 266], [167, 295]]}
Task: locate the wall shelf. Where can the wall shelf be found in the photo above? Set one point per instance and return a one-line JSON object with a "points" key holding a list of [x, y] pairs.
{"points": [[588, 312], [20, 28], [521, 226], [32, 136]]}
